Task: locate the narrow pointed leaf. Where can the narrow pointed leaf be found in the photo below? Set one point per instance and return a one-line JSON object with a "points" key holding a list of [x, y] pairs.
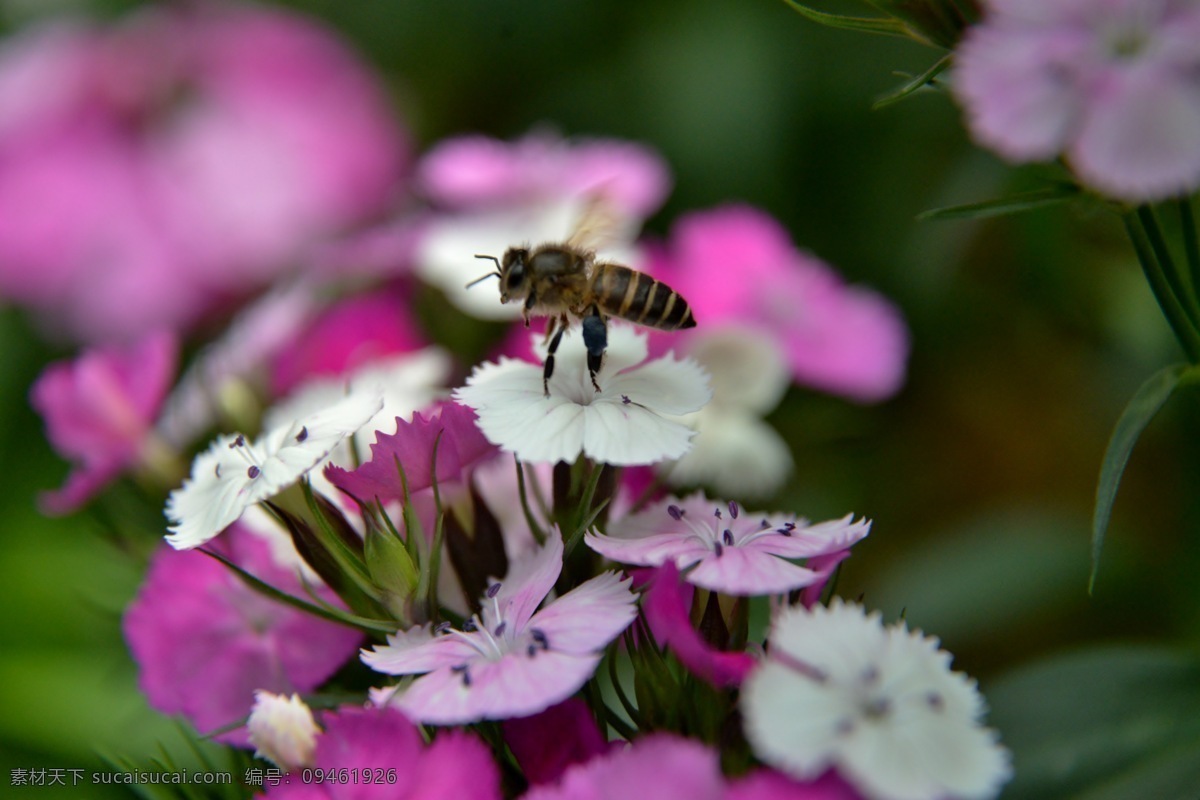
{"points": [[887, 26], [1146, 402], [1014, 204], [906, 89], [333, 615]]}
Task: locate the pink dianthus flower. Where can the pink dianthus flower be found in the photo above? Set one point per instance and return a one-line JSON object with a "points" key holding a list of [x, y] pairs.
{"points": [[1112, 85]]}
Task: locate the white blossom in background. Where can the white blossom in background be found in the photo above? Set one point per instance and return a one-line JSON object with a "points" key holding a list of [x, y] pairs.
{"points": [[235, 473], [879, 703], [631, 420], [735, 451], [282, 730]]}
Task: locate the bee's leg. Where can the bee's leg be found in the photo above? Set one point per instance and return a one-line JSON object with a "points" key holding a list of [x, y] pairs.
{"points": [[595, 339], [530, 302], [550, 326], [548, 369]]}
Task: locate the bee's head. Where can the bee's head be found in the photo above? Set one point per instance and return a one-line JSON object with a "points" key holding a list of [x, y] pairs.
{"points": [[512, 274]]}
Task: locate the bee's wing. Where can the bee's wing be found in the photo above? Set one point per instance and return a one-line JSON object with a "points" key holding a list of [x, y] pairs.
{"points": [[599, 225]]}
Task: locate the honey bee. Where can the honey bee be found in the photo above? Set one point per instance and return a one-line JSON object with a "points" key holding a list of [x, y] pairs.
{"points": [[565, 282]]}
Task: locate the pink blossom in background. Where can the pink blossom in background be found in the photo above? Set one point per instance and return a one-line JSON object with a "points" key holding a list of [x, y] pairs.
{"points": [[100, 409], [178, 160], [1113, 85], [383, 747], [660, 766], [480, 171], [353, 332], [737, 266], [204, 641]]}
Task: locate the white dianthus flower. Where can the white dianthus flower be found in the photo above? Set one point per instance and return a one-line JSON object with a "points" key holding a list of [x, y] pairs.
{"points": [[881, 704], [628, 421]]}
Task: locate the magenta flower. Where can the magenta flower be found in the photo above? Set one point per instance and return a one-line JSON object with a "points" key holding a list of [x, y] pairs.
{"points": [[176, 161], [387, 755], [667, 604], [510, 660], [549, 742], [100, 410], [204, 641], [1112, 85], [768, 784], [350, 334], [737, 266], [723, 548], [460, 446], [661, 766]]}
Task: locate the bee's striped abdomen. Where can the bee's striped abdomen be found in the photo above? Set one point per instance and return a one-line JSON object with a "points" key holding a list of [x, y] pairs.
{"points": [[635, 296]]}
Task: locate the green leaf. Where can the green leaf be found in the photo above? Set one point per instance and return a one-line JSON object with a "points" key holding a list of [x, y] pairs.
{"points": [[1146, 402], [1014, 204], [906, 89], [1093, 724], [886, 26]]}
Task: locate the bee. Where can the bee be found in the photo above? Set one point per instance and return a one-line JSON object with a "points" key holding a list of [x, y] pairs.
{"points": [[565, 282]]}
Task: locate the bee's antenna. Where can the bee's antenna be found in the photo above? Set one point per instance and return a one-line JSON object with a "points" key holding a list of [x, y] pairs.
{"points": [[495, 274]]}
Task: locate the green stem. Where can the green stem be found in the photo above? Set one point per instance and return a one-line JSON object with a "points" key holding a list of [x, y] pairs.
{"points": [[1191, 246], [1177, 318], [1177, 279]]}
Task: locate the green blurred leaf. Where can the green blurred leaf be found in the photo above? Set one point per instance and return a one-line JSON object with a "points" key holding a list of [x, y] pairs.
{"points": [[1014, 204], [1110, 722], [1146, 402], [887, 26], [909, 87]]}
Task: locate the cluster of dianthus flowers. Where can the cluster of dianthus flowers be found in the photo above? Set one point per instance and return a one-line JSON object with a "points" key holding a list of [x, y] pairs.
{"points": [[385, 560]]}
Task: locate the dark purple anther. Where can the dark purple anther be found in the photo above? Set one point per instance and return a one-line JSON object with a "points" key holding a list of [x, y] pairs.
{"points": [[238, 441], [625, 399], [493, 590], [442, 628], [253, 472], [500, 629], [303, 434], [718, 548], [727, 537], [733, 510], [675, 513]]}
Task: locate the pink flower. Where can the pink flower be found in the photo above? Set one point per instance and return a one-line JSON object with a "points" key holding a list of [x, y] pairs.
{"points": [[480, 171], [546, 744], [100, 410], [179, 160], [737, 266], [350, 334], [461, 446], [725, 549], [204, 641], [662, 766], [768, 784], [387, 753], [666, 605], [511, 660], [1113, 85]]}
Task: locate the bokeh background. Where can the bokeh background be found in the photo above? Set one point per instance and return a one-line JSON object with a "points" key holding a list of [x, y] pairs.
{"points": [[1029, 334]]}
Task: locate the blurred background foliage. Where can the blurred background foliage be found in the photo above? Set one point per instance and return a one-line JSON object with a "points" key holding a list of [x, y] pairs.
{"points": [[1030, 333]]}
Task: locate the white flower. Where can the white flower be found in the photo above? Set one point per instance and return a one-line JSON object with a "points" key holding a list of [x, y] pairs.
{"points": [[282, 730], [233, 473], [880, 704], [735, 452], [627, 422]]}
